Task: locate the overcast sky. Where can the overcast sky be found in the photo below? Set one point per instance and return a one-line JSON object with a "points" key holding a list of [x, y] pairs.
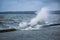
{"points": [[24, 5]]}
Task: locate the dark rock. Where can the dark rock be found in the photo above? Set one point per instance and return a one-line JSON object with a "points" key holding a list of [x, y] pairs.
{"points": [[7, 30]]}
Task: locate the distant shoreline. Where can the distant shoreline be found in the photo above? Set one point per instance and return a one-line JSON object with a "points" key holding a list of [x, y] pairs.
{"points": [[19, 12]]}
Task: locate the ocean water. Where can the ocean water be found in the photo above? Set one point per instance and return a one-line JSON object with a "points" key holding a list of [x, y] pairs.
{"points": [[13, 19]]}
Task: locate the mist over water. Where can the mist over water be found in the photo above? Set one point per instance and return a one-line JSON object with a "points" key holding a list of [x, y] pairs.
{"points": [[37, 21], [44, 16]]}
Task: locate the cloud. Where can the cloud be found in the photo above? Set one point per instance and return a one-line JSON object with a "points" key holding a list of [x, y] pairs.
{"points": [[22, 5]]}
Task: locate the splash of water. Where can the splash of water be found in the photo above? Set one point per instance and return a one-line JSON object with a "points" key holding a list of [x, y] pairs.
{"points": [[41, 15]]}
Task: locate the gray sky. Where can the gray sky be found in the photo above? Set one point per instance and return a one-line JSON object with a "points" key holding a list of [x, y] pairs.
{"points": [[24, 5]]}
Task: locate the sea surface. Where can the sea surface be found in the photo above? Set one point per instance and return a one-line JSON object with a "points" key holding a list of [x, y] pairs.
{"points": [[13, 20], [8, 19]]}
